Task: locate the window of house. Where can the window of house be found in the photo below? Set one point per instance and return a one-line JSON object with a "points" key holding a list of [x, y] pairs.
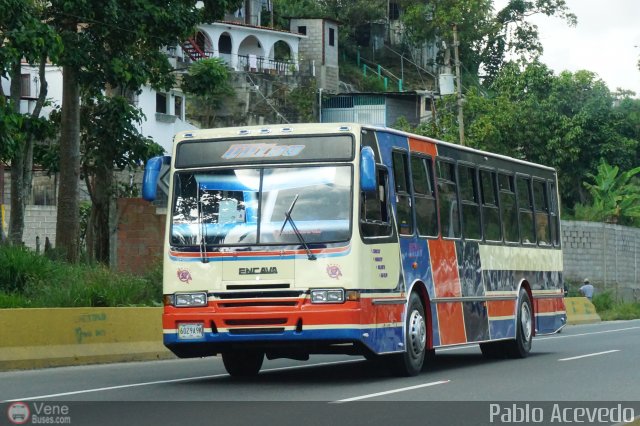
{"points": [[224, 43], [394, 11], [490, 212], [508, 207], [332, 37], [424, 195], [25, 85], [177, 104], [448, 199], [403, 196], [161, 103], [302, 29]]}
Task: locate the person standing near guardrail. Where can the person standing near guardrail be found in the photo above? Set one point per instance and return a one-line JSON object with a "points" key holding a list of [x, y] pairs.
{"points": [[587, 289]]}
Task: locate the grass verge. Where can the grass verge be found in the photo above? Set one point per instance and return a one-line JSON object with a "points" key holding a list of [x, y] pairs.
{"points": [[29, 280], [609, 309]]}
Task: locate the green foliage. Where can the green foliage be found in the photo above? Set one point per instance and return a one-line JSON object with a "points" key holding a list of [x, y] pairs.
{"points": [[352, 74], [208, 84], [603, 301], [567, 122], [19, 267], [31, 280], [487, 37], [615, 196], [611, 310]]}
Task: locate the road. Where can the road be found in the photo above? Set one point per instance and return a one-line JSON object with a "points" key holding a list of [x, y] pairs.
{"points": [[597, 362]]}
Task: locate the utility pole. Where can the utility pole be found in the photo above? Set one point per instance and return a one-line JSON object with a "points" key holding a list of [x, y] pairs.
{"points": [[459, 83]]}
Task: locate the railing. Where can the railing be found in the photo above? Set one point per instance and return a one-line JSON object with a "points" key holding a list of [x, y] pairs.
{"points": [[266, 65]]}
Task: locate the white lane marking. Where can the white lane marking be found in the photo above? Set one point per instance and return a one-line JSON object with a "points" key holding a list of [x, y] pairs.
{"points": [[589, 355], [536, 339], [586, 334], [157, 382], [373, 395]]}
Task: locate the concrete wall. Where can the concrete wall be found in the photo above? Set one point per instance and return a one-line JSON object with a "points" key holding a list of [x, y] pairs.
{"points": [[609, 255], [39, 221], [72, 336]]}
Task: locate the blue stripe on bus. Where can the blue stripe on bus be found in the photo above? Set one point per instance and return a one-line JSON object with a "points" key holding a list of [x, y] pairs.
{"points": [[252, 258], [380, 340], [502, 328], [550, 323]]}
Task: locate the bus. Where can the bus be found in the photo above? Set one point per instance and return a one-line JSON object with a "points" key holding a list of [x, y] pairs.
{"points": [[284, 241]]}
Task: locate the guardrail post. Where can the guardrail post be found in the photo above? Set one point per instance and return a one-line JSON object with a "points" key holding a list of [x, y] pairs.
{"points": [[379, 71], [364, 69], [400, 85], [386, 83]]}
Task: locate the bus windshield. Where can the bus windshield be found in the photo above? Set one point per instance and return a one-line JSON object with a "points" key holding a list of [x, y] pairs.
{"points": [[248, 206]]}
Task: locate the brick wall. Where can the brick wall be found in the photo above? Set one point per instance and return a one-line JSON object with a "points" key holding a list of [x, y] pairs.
{"points": [[140, 235]]}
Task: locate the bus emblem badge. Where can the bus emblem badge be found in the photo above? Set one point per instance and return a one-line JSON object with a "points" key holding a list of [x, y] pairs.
{"points": [[334, 271], [184, 275]]}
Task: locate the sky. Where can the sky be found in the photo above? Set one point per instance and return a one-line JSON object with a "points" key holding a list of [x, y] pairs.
{"points": [[605, 41]]}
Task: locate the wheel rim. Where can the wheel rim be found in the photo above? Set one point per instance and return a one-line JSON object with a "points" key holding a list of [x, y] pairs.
{"points": [[417, 334], [525, 321]]}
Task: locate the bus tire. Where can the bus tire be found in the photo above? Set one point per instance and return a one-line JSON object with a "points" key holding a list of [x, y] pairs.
{"points": [[410, 362], [243, 364], [520, 347]]}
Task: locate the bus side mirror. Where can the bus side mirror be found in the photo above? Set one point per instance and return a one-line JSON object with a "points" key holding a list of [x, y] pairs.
{"points": [[151, 174], [367, 170]]}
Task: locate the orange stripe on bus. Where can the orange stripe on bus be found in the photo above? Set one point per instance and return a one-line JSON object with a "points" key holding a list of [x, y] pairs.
{"points": [[451, 321], [501, 308], [425, 147], [444, 265], [549, 305]]}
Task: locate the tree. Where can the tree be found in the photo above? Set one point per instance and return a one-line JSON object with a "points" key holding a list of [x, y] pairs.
{"points": [[615, 196], [23, 36], [567, 122], [110, 141], [116, 44], [208, 84], [486, 37]]}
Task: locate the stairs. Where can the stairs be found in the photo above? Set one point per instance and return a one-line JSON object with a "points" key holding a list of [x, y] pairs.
{"points": [[190, 47]]}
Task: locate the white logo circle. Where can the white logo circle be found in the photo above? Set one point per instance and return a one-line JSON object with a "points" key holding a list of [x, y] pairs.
{"points": [[18, 413]]}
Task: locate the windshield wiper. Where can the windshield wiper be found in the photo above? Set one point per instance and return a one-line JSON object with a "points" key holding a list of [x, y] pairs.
{"points": [[288, 218], [203, 234]]}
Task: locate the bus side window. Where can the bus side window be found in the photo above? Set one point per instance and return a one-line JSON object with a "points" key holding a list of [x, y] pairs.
{"points": [[525, 208], [375, 209], [490, 211], [425, 197], [508, 207], [470, 206], [553, 212], [448, 199], [541, 205], [403, 197]]}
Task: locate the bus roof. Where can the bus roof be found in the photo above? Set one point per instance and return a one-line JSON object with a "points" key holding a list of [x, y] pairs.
{"points": [[319, 128]]}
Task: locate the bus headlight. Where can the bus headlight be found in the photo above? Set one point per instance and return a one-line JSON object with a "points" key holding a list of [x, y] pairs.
{"points": [[333, 295], [181, 300]]}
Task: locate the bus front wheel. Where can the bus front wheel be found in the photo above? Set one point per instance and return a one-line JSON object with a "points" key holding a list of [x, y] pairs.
{"points": [[242, 364], [409, 363]]}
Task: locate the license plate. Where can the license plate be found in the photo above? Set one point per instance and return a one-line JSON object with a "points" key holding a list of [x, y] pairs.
{"points": [[190, 331]]}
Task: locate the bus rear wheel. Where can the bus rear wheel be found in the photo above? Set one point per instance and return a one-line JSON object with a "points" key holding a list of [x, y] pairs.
{"points": [[520, 347], [243, 364], [410, 362]]}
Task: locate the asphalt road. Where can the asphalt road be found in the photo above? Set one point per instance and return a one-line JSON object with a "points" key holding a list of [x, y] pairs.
{"points": [[584, 364]]}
